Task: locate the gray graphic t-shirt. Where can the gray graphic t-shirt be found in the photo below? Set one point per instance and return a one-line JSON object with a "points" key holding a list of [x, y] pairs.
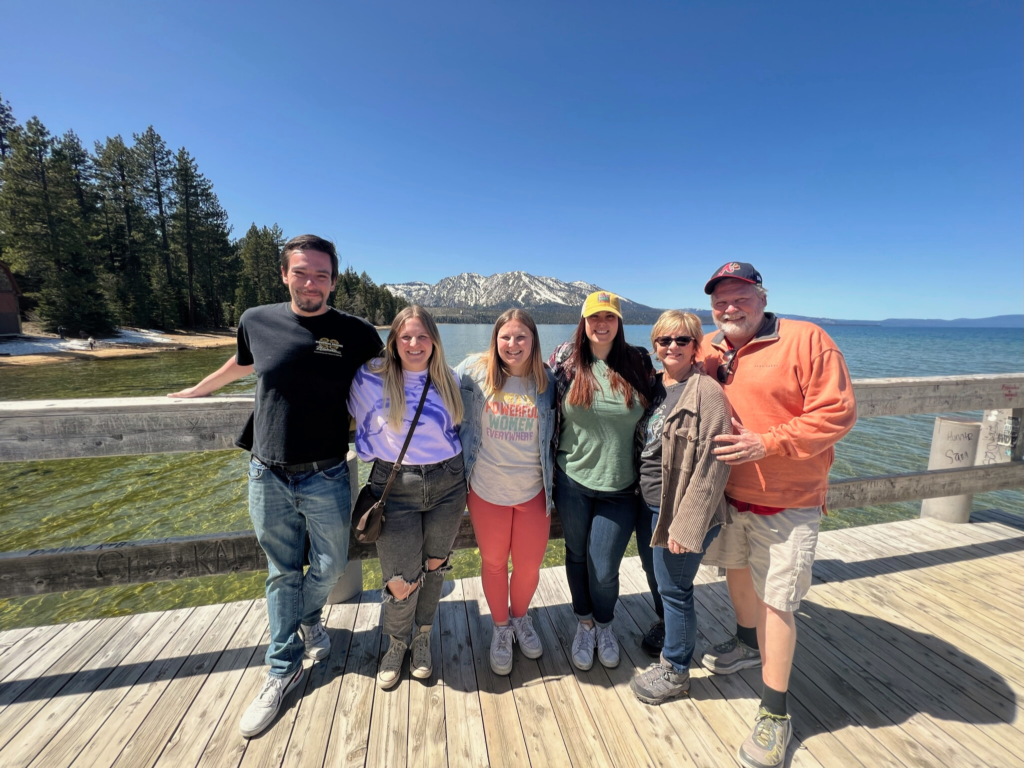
{"points": [[507, 470], [665, 399]]}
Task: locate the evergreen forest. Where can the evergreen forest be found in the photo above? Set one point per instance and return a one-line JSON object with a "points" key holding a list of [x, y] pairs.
{"points": [[131, 233]]}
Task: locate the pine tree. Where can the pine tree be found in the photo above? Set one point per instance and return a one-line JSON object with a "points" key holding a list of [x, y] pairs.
{"points": [[156, 173], [43, 213], [259, 279]]}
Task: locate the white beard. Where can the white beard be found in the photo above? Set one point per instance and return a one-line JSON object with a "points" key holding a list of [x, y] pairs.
{"points": [[749, 326]]}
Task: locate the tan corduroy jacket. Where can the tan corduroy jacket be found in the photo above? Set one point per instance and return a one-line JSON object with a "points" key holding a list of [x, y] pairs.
{"points": [[692, 479]]}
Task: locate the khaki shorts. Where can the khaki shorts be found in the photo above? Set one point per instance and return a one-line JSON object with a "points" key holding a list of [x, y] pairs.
{"points": [[778, 549]]}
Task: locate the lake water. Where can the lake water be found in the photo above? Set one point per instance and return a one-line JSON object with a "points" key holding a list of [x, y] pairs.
{"points": [[85, 501]]}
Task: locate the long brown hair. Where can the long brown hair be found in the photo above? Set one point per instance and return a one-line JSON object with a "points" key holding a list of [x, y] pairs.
{"points": [[389, 366], [626, 371], [497, 369]]}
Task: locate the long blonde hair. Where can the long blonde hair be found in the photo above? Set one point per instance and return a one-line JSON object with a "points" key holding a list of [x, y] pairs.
{"points": [[389, 366], [498, 370]]}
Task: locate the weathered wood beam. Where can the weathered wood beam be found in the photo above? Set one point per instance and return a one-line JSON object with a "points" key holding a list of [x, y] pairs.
{"points": [[887, 489], [938, 394], [37, 572], [33, 430]]}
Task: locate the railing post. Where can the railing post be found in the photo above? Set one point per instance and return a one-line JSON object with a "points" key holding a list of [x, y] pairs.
{"points": [[954, 444], [1000, 439], [351, 582]]}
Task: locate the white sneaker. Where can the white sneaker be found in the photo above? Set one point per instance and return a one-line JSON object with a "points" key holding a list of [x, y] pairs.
{"points": [[501, 649], [421, 666], [316, 640], [263, 709], [607, 647], [583, 646], [390, 671], [527, 637]]}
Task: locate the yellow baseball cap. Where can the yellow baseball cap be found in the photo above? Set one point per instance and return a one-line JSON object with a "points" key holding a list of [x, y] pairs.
{"points": [[601, 301]]}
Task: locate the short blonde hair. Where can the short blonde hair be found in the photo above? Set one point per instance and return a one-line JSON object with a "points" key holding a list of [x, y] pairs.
{"points": [[671, 319]]}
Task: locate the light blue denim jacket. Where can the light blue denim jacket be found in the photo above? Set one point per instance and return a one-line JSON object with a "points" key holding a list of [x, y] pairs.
{"points": [[471, 387]]}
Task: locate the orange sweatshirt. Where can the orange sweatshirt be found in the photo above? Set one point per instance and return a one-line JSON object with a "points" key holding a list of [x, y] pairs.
{"points": [[789, 384]]}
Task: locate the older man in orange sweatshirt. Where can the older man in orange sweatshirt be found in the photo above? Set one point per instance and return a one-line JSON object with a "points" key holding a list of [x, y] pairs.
{"points": [[789, 387]]}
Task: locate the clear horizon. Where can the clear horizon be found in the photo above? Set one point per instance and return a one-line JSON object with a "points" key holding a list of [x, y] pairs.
{"points": [[865, 158]]}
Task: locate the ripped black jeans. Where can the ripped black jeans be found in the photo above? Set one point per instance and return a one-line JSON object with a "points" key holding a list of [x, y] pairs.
{"points": [[421, 519]]}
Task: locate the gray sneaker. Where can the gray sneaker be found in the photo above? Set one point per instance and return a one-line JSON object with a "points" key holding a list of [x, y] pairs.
{"points": [[583, 646], [607, 647], [390, 671], [731, 656], [316, 640], [501, 649], [765, 747], [263, 709], [660, 682], [527, 637], [421, 666]]}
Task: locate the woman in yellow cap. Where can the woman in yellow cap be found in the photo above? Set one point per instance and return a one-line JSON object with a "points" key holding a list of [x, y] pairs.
{"points": [[603, 386]]}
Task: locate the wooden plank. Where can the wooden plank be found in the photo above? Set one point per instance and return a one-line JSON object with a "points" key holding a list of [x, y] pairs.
{"points": [[46, 658], [938, 394], [885, 489], [350, 727], [31, 643], [66, 745], [226, 746], [614, 724], [107, 743], [502, 729], [428, 745], [742, 697], [515, 722], [389, 721], [55, 712], [153, 733], [572, 714], [32, 430], [467, 745], [11, 636], [189, 740], [953, 712], [312, 728]]}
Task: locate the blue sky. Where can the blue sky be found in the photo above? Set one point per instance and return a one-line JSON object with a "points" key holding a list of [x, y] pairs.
{"points": [[866, 157]]}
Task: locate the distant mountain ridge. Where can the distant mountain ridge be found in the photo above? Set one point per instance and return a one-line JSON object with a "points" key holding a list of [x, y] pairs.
{"points": [[468, 296], [472, 298]]}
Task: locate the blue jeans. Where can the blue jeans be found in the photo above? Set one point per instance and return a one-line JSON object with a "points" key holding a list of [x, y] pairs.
{"points": [[675, 574], [285, 508], [596, 526], [644, 530]]}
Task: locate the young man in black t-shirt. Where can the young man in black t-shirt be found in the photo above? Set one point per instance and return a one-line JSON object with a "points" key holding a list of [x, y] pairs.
{"points": [[305, 355]]}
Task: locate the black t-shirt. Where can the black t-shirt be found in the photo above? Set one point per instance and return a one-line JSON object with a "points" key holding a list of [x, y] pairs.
{"points": [[665, 399], [304, 369]]}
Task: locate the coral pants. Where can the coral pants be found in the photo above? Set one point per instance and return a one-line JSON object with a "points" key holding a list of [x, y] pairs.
{"points": [[520, 530]]}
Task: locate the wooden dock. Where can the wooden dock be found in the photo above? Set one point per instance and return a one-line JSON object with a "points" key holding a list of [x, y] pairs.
{"points": [[909, 654]]}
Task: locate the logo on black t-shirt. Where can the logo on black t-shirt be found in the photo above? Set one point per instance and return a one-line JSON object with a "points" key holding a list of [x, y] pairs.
{"points": [[329, 347]]}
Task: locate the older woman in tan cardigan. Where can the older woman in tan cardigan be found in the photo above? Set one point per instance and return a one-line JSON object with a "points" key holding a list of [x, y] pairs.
{"points": [[683, 486]]}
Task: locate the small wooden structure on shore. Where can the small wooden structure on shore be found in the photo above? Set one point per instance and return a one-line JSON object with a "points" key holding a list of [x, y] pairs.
{"points": [[910, 649]]}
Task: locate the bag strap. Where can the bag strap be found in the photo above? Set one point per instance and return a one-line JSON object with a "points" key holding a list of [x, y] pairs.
{"points": [[405, 446]]}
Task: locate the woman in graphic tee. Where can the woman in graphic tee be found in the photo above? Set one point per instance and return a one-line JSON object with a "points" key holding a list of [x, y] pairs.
{"points": [[603, 387], [508, 440], [424, 509], [682, 489]]}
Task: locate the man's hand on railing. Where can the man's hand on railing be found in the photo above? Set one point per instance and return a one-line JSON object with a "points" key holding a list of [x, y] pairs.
{"points": [[227, 373]]}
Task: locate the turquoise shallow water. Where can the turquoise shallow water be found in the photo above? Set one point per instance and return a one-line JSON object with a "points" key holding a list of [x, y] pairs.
{"points": [[58, 503]]}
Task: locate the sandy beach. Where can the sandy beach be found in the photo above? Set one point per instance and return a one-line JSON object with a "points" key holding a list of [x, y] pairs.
{"points": [[36, 348]]}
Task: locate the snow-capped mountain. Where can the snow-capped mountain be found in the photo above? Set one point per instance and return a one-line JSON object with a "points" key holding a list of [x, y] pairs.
{"points": [[504, 290]]}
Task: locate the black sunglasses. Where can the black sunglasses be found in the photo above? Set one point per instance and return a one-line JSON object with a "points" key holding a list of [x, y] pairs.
{"points": [[681, 341], [725, 369]]}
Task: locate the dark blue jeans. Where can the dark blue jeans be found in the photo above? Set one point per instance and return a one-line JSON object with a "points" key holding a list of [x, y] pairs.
{"points": [[644, 531], [675, 574], [596, 526], [284, 509]]}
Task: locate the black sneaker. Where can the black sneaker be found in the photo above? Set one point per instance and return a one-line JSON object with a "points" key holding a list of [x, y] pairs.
{"points": [[654, 640]]}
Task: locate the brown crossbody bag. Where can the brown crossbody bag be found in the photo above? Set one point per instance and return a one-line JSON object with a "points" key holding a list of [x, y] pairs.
{"points": [[368, 513]]}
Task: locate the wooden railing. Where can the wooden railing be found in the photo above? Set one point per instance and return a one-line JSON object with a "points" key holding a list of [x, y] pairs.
{"points": [[39, 430]]}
